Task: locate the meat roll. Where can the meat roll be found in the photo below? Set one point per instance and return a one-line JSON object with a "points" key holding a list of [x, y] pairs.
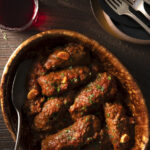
{"points": [[72, 54], [84, 131], [90, 97], [58, 82], [118, 125], [52, 111]]}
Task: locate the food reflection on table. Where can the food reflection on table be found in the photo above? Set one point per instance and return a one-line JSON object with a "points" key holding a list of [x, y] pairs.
{"points": [[73, 103]]}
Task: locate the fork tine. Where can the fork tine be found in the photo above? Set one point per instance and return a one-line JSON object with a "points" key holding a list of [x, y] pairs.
{"points": [[113, 6], [114, 2], [118, 2], [131, 2]]}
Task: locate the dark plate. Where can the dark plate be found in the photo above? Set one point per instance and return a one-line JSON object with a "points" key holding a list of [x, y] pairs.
{"points": [[126, 24]]}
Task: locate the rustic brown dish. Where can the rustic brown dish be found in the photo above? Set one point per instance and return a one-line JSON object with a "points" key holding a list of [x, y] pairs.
{"points": [[109, 62]]}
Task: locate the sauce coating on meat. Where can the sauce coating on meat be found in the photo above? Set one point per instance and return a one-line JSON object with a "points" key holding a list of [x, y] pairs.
{"points": [[92, 95], [58, 82], [34, 99], [33, 107], [102, 142], [118, 125], [52, 111], [33, 86], [72, 54], [82, 132], [74, 104]]}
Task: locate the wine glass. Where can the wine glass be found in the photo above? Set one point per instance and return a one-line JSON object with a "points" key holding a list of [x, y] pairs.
{"points": [[17, 15]]}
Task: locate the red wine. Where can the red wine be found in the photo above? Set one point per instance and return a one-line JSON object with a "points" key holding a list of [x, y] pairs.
{"points": [[16, 13]]}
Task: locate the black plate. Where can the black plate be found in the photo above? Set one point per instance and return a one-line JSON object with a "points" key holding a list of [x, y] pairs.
{"points": [[126, 24], [124, 19]]}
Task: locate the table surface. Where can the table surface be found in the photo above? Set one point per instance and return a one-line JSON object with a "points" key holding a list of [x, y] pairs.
{"points": [[76, 15]]}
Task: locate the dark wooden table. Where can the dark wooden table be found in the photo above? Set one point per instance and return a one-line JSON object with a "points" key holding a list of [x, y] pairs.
{"points": [[76, 15]]}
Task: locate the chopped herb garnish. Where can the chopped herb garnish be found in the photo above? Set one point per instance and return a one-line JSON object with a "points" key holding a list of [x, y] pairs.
{"points": [[75, 79], [74, 138], [67, 131], [91, 101], [57, 105], [102, 89], [91, 96], [111, 136], [52, 84], [58, 89], [84, 108], [81, 113], [65, 102], [70, 67], [109, 77], [62, 74], [48, 98], [87, 119], [71, 80], [89, 138], [69, 137], [54, 118], [89, 85], [108, 115], [98, 87], [46, 82], [89, 90]]}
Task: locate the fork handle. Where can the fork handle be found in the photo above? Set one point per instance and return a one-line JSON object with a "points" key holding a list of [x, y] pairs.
{"points": [[143, 11], [17, 144], [145, 27], [147, 1]]}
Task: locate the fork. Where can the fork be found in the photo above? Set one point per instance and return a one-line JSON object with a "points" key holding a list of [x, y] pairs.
{"points": [[139, 6], [122, 8]]}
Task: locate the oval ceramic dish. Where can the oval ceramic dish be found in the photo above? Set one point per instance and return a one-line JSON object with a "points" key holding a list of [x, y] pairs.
{"points": [[111, 64]]}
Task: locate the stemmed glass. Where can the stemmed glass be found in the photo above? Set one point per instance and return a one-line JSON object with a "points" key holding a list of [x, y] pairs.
{"points": [[15, 16]]}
